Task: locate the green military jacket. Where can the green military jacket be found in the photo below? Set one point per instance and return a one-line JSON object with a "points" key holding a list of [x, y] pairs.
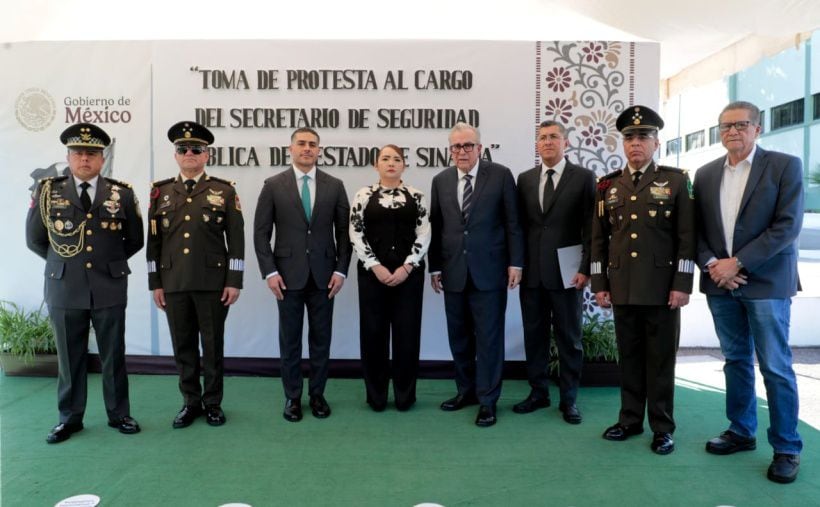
{"points": [[643, 238], [196, 241]]}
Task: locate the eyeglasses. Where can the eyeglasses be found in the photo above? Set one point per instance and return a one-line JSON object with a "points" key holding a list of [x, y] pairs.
{"points": [[641, 137], [740, 126], [467, 147], [182, 149]]}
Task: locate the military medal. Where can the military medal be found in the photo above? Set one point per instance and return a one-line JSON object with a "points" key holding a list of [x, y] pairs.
{"points": [[206, 218], [69, 225], [219, 220], [667, 213], [104, 225], [215, 200], [613, 190], [58, 225], [653, 213], [166, 223]]}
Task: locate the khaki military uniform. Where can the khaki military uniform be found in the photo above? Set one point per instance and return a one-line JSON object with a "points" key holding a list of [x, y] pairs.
{"points": [[86, 281], [196, 245], [643, 247]]}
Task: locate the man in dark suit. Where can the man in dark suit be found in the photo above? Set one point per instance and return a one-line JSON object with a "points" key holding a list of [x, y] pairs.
{"points": [[556, 199], [86, 227], [643, 249], [476, 254], [194, 278], [750, 210], [307, 265]]}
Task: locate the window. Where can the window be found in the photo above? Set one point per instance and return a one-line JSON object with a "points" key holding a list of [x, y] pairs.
{"points": [[694, 140], [815, 99], [673, 146], [790, 113], [714, 135]]}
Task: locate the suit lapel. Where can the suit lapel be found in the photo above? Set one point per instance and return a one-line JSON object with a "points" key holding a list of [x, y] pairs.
{"points": [[294, 192], [103, 189], [71, 193], [481, 180], [648, 176], [758, 165], [321, 192]]}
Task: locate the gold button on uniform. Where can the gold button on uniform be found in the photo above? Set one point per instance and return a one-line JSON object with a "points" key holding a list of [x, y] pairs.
{"points": [[186, 251], [633, 198], [88, 265], [187, 235], [189, 200], [633, 216], [634, 254], [634, 235], [187, 217], [89, 216], [89, 248], [88, 232]]}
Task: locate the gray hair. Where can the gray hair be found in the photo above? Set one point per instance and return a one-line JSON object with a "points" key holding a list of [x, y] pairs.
{"points": [[462, 126], [754, 111]]}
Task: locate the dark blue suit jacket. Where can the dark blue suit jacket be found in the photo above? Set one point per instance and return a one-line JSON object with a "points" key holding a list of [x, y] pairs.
{"points": [[768, 224], [488, 242]]}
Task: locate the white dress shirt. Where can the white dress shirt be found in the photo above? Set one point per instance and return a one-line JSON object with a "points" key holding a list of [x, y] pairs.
{"points": [[732, 186], [92, 190]]}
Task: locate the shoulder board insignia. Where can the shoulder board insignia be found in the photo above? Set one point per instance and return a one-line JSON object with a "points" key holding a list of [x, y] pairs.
{"points": [[669, 168], [118, 182], [159, 183], [53, 178], [613, 174], [220, 180]]}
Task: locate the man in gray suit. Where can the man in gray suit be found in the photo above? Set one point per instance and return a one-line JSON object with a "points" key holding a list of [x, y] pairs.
{"points": [[476, 254], [556, 199], [86, 227], [750, 210], [307, 265]]}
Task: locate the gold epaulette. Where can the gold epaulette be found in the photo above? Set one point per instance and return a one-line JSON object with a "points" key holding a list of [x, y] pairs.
{"points": [[159, 183], [51, 178]]}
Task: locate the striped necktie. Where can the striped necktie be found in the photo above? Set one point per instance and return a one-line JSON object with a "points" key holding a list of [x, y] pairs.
{"points": [[467, 198]]}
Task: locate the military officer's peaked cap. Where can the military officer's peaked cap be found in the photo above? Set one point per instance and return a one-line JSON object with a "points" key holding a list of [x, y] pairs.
{"points": [[190, 132], [85, 136], [635, 118]]}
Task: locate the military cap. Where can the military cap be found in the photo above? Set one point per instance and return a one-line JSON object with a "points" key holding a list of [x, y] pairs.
{"points": [[638, 118], [85, 135], [190, 132]]}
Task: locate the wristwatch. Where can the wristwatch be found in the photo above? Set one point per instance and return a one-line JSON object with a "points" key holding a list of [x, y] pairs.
{"points": [[739, 264]]}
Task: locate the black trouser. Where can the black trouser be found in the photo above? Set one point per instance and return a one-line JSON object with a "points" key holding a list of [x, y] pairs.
{"points": [[553, 313], [71, 329], [647, 344], [191, 316], [320, 329], [386, 311]]}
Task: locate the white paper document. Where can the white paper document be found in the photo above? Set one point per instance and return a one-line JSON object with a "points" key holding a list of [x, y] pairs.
{"points": [[569, 261]]}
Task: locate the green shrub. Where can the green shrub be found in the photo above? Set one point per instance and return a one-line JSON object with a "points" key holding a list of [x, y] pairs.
{"points": [[25, 333]]}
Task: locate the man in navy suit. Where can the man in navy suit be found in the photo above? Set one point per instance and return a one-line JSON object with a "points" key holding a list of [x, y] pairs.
{"points": [[556, 199], [307, 265], [476, 254], [750, 210]]}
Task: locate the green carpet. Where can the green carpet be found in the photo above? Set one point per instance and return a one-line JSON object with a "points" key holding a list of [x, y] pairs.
{"points": [[361, 458]]}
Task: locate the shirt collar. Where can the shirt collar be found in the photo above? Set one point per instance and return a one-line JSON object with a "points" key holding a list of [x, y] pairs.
{"points": [[748, 159], [558, 168], [642, 169], [299, 174], [92, 182], [196, 178]]}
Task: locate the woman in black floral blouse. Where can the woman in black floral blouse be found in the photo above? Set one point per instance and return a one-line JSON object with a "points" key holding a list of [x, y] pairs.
{"points": [[390, 232]]}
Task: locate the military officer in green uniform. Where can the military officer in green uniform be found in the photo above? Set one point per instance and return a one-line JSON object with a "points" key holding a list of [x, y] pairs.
{"points": [[86, 227], [193, 276], [643, 249]]}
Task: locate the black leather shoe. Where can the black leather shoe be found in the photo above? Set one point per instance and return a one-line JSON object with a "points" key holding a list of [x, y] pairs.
{"points": [[186, 416], [62, 432], [126, 425], [531, 404], [319, 406], [459, 401], [571, 413], [214, 415], [784, 468], [486, 416], [730, 442], [618, 432], [662, 443], [293, 410]]}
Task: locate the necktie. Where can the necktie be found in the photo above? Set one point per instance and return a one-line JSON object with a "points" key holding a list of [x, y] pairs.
{"points": [[85, 199], [467, 197], [306, 196], [189, 184], [636, 178], [549, 189]]}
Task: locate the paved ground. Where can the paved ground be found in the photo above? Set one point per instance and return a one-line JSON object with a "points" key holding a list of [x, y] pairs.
{"points": [[705, 366]]}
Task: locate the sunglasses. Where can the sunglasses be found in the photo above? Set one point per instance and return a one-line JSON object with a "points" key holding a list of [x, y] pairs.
{"points": [[182, 149]]}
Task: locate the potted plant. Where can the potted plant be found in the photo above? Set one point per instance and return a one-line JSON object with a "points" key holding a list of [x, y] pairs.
{"points": [[600, 347], [26, 341]]}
